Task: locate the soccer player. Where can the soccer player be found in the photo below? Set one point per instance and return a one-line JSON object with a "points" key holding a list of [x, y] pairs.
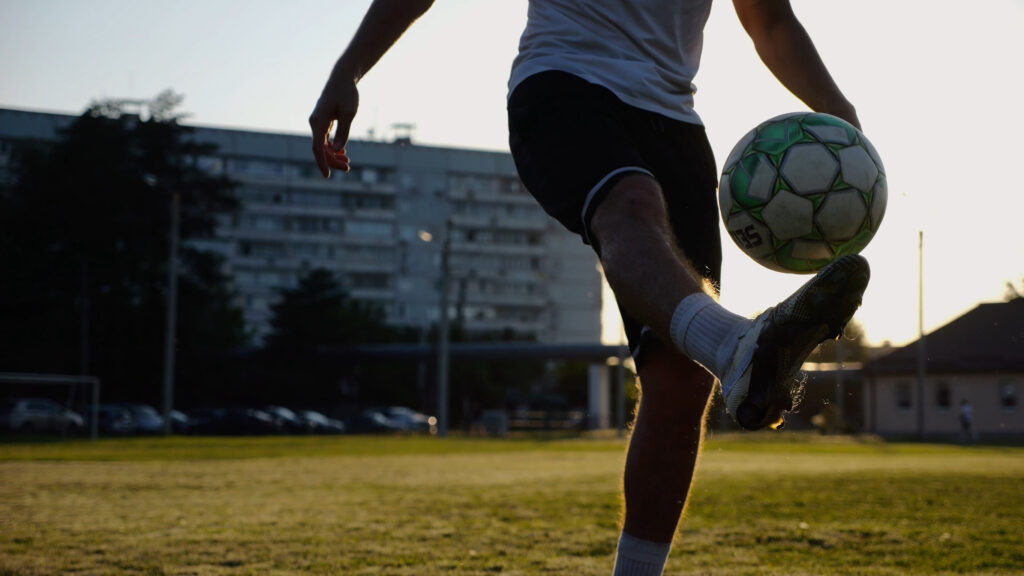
{"points": [[605, 136]]}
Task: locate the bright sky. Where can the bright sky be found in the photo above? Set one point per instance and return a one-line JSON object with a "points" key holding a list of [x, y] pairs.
{"points": [[937, 88]]}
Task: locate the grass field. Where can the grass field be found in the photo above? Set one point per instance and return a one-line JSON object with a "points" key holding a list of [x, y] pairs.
{"points": [[779, 504]]}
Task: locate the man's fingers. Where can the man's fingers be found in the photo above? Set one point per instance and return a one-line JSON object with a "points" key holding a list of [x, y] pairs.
{"points": [[321, 133], [337, 104], [321, 159], [341, 135], [337, 159]]}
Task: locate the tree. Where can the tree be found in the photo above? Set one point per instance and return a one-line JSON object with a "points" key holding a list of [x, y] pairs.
{"points": [[84, 252], [309, 320], [1012, 292], [318, 312], [851, 346]]}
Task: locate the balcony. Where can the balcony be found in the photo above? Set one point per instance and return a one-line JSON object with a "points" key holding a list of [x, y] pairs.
{"points": [[498, 222]]}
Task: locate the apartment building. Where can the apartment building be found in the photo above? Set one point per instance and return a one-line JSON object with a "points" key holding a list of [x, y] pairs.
{"points": [[403, 220]]}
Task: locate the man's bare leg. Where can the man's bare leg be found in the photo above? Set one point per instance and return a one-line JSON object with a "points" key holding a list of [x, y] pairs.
{"points": [[638, 252], [665, 443], [650, 278], [657, 286]]}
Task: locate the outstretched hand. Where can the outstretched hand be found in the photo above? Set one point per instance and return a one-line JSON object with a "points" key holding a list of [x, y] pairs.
{"points": [[337, 104]]}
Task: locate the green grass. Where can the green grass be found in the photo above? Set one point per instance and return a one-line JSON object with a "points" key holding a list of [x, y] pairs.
{"points": [[762, 504]]}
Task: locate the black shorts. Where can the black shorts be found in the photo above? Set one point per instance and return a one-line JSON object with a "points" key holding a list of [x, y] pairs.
{"points": [[572, 140]]}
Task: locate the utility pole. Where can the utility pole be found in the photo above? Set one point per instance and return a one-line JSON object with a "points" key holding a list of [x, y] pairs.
{"points": [[171, 318], [172, 312], [442, 336], [922, 350], [840, 401]]}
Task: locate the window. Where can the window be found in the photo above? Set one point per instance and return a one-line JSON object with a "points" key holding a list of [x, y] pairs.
{"points": [[315, 198], [368, 229], [903, 399], [211, 164], [262, 167], [1008, 395], [368, 201], [255, 193], [942, 396], [308, 251], [309, 224], [268, 278], [370, 281], [264, 222], [264, 250]]}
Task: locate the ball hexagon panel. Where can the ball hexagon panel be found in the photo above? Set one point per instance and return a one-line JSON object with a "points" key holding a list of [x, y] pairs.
{"points": [[802, 256], [789, 216], [777, 136], [750, 234], [809, 168], [830, 133], [873, 153], [879, 199], [858, 168], [841, 215], [753, 181], [811, 250]]}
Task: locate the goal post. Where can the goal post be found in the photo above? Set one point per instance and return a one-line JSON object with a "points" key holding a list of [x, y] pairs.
{"points": [[63, 380]]}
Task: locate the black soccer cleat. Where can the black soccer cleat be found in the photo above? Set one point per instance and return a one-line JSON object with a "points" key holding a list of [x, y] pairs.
{"points": [[762, 382]]}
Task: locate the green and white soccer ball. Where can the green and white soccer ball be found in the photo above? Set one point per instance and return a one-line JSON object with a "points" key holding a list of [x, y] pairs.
{"points": [[802, 189]]}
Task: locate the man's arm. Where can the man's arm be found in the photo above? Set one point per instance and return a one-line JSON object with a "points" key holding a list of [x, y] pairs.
{"points": [[787, 50], [384, 23]]}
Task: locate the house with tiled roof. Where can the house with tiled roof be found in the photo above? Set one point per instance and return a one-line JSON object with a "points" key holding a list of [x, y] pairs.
{"points": [[978, 358]]}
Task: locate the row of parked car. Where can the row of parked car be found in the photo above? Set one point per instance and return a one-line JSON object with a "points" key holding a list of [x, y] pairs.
{"points": [[38, 415], [32, 415], [266, 420]]}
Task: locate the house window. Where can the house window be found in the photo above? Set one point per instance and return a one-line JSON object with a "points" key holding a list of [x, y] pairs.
{"points": [[1008, 395], [942, 397], [903, 401]]}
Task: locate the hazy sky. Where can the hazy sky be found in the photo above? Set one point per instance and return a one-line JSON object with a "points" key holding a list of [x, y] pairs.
{"points": [[937, 87]]}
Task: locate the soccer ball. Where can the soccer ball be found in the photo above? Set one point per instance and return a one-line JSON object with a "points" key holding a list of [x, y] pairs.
{"points": [[802, 189]]}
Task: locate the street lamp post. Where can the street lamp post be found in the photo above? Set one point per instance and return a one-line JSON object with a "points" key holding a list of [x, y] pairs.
{"points": [[442, 340], [443, 354]]}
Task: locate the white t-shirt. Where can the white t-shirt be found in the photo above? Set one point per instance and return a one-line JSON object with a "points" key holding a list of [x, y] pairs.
{"points": [[645, 51]]}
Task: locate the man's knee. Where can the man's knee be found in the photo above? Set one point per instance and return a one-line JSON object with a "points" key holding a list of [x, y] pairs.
{"points": [[674, 382], [635, 199]]}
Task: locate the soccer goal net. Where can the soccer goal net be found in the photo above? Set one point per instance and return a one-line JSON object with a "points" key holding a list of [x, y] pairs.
{"points": [[71, 392]]}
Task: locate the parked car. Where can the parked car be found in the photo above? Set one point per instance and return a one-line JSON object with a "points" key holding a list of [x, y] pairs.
{"points": [[233, 422], [147, 419], [372, 422], [113, 419], [410, 419], [38, 415], [180, 422], [320, 424], [288, 420]]}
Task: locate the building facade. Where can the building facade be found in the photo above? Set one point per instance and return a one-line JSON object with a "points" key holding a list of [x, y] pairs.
{"points": [[977, 359], [404, 220]]}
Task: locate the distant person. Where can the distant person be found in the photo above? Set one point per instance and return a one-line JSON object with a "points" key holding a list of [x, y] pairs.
{"points": [[604, 134], [966, 421]]}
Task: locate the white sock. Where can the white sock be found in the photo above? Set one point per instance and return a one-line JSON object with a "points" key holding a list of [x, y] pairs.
{"points": [[638, 557], [707, 332]]}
